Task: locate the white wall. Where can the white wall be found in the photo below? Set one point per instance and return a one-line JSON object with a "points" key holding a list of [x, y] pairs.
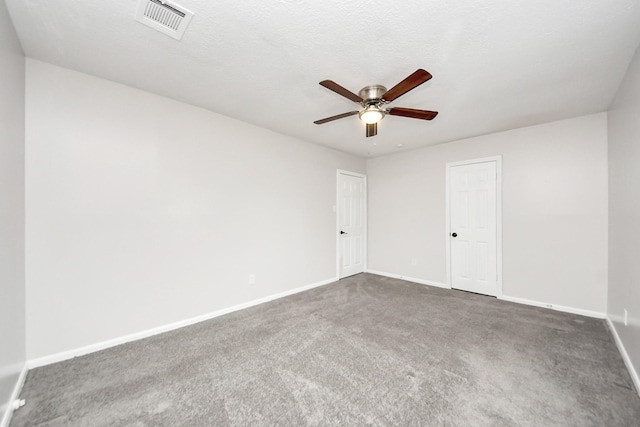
{"points": [[624, 211], [143, 211], [12, 292], [554, 211]]}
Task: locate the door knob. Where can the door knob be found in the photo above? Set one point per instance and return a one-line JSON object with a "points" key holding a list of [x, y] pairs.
{"points": [[342, 232], [454, 234]]}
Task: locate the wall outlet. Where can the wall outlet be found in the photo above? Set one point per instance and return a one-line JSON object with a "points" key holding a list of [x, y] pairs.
{"points": [[252, 279], [625, 317], [414, 262]]}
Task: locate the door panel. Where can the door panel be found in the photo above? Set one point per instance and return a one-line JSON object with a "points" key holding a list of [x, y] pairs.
{"points": [[351, 214], [473, 218]]}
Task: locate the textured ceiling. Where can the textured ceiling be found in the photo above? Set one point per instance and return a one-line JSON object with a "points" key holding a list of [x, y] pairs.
{"points": [[496, 64]]}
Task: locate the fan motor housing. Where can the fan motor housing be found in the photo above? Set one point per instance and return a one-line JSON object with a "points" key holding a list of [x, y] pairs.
{"points": [[372, 92]]}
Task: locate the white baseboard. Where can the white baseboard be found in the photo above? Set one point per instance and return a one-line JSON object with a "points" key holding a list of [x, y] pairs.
{"points": [[410, 279], [65, 355], [6, 418], [572, 310], [625, 356], [588, 313]]}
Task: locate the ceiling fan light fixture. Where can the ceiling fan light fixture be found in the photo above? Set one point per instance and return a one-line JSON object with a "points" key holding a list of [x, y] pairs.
{"points": [[372, 100], [370, 115]]}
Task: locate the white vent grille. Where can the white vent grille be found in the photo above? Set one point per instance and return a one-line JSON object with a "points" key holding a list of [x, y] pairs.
{"points": [[164, 16]]}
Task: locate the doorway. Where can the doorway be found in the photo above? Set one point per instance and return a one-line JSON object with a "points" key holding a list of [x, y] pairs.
{"points": [[351, 223], [474, 225]]}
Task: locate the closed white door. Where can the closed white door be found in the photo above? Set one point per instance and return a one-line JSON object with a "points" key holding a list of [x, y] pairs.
{"points": [[351, 223], [473, 227]]}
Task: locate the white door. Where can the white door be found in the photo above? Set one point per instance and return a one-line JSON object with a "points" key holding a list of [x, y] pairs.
{"points": [[473, 227], [351, 223]]}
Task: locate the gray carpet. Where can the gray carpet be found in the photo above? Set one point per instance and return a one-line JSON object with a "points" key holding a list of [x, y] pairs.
{"points": [[367, 350]]}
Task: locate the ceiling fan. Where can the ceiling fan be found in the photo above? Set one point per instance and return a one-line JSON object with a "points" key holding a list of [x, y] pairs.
{"points": [[373, 99]]}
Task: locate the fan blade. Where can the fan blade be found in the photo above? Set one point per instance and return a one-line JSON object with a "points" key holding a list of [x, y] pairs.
{"points": [[331, 85], [414, 80], [372, 129], [339, 116], [414, 114]]}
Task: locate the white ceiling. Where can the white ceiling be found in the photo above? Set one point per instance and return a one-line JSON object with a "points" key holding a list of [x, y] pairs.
{"points": [[496, 64]]}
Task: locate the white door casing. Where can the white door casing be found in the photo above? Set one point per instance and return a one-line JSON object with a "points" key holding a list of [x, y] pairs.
{"points": [[352, 223], [474, 226]]}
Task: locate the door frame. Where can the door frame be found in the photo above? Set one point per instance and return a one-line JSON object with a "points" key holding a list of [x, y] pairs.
{"points": [[498, 160], [337, 211]]}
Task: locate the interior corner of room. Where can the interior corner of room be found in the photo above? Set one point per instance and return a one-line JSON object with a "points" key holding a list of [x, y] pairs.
{"points": [[126, 213]]}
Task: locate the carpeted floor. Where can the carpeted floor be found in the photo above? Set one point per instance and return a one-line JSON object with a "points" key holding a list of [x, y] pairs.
{"points": [[367, 350]]}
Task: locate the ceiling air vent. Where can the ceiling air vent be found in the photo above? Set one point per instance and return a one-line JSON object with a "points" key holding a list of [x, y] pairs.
{"points": [[164, 16]]}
